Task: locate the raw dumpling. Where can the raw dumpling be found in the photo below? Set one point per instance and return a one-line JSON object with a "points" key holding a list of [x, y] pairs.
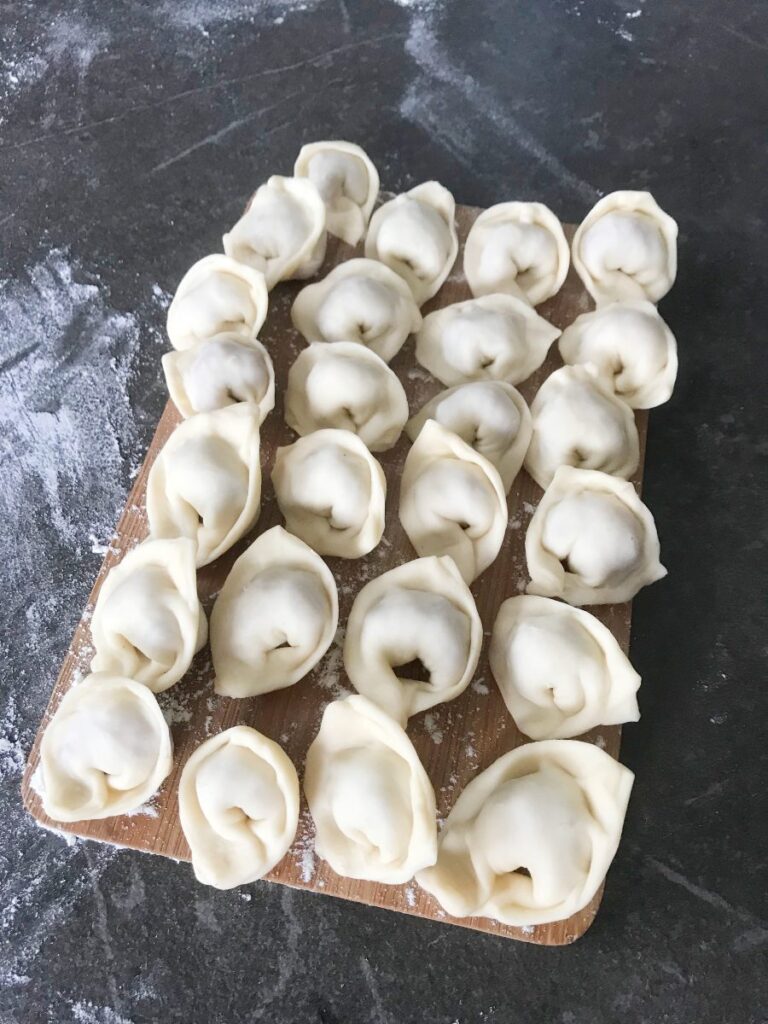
{"points": [[348, 182], [497, 337], [148, 623], [239, 807], [274, 618], [518, 249], [591, 540], [632, 348], [531, 838], [415, 235], [421, 611], [371, 800], [206, 481], [489, 415], [626, 248], [282, 232], [452, 501], [360, 300], [219, 372], [560, 670], [105, 751], [578, 421], [217, 295], [331, 491], [345, 385]]}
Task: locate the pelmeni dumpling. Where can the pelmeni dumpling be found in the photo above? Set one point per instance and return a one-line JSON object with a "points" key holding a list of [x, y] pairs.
{"points": [[105, 751], [274, 618], [496, 337], [531, 838], [348, 182], [591, 540], [415, 235], [561, 672], [345, 385], [518, 249], [490, 415], [371, 800], [452, 501], [148, 623], [632, 348], [331, 491], [239, 807], [360, 300], [217, 295], [626, 248], [421, 611], [578, 421], [206, 482], [282, 232], [221, 371]]}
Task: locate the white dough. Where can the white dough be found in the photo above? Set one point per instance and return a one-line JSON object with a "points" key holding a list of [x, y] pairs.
{"points": [[561, 672], [371, 800], [490, 415], [421, 610], [591, 540], [148, 623], [496, 337], [415, 235], [632, 348], [348, 182], [452, 501], [553, 809], [345, 385], [282, 232], [626, 248], [206, 482], [105, 751], [239, 807], [331, 491], [274, 618], [518, 249], [578, 421]]}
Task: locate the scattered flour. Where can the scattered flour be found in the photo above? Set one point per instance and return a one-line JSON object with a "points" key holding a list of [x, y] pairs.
{"points": [[331, 669], [410, 896], [480, 686], [434, 732]]}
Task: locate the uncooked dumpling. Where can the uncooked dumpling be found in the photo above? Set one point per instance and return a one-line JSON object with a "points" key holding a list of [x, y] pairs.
{"points": [[239, 807], [490, 415], [415, 235], [632, 348], [105, 751], [518, 249], [345, 385], [561, 672], [497, 337], [206, 482], [371, 800], [531, 838], [282, 232], [148, 623], [360, 300], [421, 611], [452, 501], [347, 181], [220, 372], [331, 491], [217, 295], [626, 248], [578, 421], [274, 618], [591, 540]]}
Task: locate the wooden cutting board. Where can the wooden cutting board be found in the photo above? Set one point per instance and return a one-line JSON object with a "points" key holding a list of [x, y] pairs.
{"points": [[455, 741]]}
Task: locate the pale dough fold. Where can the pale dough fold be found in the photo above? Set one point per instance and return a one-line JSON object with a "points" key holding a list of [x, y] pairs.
{"points": [[348, 182]]}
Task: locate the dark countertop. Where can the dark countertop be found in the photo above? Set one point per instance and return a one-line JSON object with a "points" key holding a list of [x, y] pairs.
{"points": [[130, 136]]}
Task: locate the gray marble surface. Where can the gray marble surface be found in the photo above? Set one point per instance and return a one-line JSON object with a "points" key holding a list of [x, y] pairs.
{"points": [[130, 136]]}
